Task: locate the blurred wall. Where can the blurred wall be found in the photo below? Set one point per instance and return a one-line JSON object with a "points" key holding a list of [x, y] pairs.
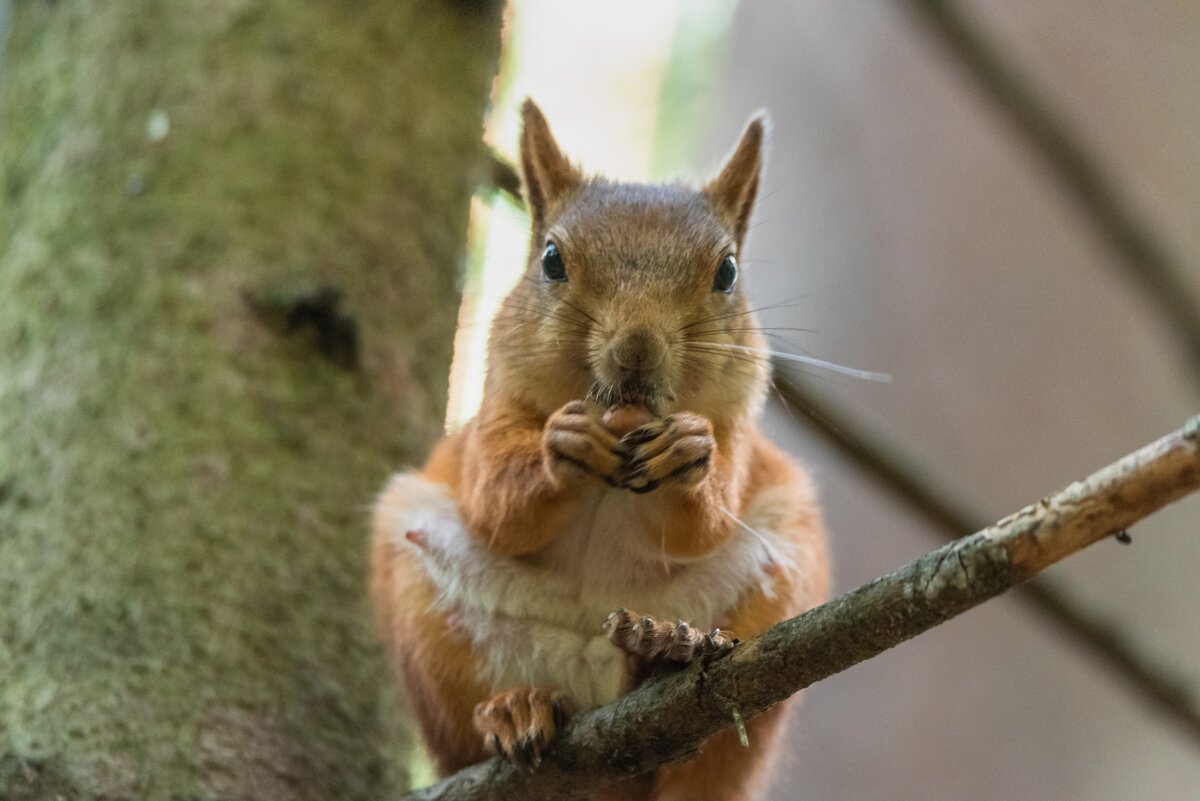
{"points": [[921, 236]]}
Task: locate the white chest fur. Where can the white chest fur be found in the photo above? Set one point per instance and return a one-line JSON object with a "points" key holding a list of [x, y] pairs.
{"points": [[537, 621]]}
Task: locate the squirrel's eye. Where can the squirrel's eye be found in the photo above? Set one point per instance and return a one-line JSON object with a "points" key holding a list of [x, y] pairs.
{"points": [[552, 264], [726, 275]]}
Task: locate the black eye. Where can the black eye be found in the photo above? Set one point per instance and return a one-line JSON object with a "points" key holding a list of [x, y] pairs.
{"points": [[726, 275], [552, 264]]}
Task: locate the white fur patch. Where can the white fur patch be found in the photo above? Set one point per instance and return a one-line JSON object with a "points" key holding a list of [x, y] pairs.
{"points": [[537, 620]]}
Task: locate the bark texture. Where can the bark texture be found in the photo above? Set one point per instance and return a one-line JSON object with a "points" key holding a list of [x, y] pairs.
{"points": [[230, 238], [669, 719]]}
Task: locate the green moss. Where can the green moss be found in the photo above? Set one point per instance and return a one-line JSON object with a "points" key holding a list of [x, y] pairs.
{"points": [[182, 533], [37, 780]]}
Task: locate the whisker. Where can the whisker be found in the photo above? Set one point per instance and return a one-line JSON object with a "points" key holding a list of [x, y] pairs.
{"points": [[791, 343], [726, 359], [729, 315], [787, 407], [502, 334], [716, 349], [717, 369], [566, 302], [750, 329], [547, 313], [812, 361], [772, 551], [547, 347]]}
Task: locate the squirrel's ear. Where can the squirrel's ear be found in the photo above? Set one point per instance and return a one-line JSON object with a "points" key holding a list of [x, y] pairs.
{"points": [[735, 188], [546, 172]]}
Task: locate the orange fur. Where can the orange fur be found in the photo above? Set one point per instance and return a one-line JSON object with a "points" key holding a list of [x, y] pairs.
{"points": [[724, 769], [636, 320], [433, 660]]}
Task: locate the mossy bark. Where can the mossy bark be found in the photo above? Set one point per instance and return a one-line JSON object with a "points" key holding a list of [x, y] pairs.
{"points": [[230, 239]]}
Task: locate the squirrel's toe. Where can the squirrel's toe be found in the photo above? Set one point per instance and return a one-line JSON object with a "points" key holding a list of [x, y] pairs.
{"points": [[662, 642], [520, 723]]}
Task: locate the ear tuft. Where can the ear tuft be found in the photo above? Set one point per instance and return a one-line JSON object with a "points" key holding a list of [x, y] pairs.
{"points": [[547, 173], [735, 188]]}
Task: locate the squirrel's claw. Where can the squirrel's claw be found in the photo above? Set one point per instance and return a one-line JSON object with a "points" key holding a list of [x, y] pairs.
{"points": [[676, 449], [519, 724], [657, 643]]}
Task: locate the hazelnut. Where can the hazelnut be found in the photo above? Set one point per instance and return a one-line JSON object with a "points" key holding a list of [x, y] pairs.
{"points": [[621, 419]]}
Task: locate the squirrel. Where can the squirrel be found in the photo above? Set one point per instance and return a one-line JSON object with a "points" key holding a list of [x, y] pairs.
{"points": [[615, 464]]}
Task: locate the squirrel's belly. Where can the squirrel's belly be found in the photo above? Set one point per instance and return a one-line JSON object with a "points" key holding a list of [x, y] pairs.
{"points": [[539, 622], [512, 651]]}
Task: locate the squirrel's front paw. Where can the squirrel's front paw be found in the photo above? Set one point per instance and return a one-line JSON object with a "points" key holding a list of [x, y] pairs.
{"points": [[520, 723], [655, 643], [575, 442], [676, 449]]}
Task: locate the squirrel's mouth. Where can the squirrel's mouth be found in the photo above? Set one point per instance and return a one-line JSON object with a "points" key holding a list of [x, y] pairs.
{"points": [[632, 389]]}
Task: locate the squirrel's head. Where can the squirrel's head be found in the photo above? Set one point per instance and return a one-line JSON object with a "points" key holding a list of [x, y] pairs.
{"points": [[632, 292]]}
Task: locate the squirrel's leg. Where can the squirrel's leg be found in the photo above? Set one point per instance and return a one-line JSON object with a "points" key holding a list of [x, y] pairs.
{"points": [[726, 770], [780, 507], [432, 658], [520, 476], [434, 662], [690, 468]]}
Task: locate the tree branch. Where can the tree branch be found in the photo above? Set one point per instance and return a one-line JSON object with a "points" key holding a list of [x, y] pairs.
{"points": [[505, 178], [667, 719], [1104, 639], [1147, 261]]}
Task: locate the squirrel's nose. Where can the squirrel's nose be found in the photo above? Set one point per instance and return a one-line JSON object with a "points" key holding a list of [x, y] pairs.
{"points": [[639, 349]]}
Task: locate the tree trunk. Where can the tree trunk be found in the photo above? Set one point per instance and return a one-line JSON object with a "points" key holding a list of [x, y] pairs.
{"points": [[230, 240]]}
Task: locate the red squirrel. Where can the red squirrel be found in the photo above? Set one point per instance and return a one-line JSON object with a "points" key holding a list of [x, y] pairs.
{"points": [[615, 464]]}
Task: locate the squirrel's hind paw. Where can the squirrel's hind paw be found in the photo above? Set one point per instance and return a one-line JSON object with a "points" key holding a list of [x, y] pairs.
{"points": [[518, 724], [656, 642]]}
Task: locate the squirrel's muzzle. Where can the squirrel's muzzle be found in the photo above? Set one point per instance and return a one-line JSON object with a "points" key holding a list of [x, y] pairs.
{"points": [[638, 349]]}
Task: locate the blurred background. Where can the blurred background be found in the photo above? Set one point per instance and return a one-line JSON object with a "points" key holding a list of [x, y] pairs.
{"points": [[916, 230]]}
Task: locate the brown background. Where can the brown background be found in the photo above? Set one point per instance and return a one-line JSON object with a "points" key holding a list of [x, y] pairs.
{"points": [[924, 237]]}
